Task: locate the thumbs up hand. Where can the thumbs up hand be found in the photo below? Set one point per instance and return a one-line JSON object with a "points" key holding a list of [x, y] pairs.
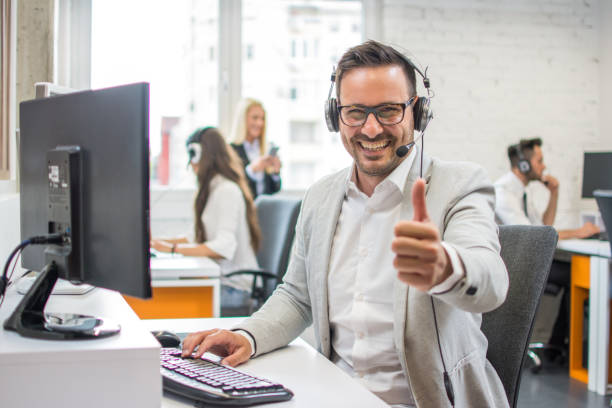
{"points": [[420, 258]]}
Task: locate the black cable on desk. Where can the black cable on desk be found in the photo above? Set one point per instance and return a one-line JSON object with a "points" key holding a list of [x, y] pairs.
{"points": [[57, 239]]}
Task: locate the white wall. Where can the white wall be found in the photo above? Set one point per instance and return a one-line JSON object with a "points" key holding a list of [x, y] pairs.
{"points": [[502, 71], [605, 70], [10, 236]]}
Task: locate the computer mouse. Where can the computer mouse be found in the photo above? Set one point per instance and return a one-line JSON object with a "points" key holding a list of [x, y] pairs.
{"points": [[166, 338]]}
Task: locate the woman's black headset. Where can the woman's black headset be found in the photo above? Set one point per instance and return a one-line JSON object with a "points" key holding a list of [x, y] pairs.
{"points": [[421, 110]]}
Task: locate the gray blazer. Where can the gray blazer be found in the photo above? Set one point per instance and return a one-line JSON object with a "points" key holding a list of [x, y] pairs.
{"points": [[460, 201]]}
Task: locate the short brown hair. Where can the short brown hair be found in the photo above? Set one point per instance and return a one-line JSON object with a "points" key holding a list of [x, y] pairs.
{"points": [[374, 54], [526, 147]]}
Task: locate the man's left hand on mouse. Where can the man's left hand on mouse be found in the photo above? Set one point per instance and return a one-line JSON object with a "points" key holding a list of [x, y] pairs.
{"points": [[420, 260]]}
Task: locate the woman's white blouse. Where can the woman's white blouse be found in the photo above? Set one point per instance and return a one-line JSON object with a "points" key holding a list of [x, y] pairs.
{"points": [[227, 231]]}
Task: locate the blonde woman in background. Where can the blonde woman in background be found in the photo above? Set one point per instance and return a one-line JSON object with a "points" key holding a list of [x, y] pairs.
{"points": [[261, 166]]}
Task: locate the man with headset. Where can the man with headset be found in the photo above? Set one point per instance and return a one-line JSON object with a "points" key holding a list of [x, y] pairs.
{"points": [[394, 258], [513, 204]]}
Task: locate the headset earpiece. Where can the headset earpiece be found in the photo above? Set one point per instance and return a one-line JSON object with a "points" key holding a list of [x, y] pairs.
{"points": [[194, 146], [523, 164], [194, 152], [332, 116], [422, 113]]}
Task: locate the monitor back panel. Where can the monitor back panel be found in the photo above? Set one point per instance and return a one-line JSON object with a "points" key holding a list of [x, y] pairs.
{"points": [[111, 127]]}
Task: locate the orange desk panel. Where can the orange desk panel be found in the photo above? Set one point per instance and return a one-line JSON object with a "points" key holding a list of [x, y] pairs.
{"points": [[174, 303], [579, 292]]}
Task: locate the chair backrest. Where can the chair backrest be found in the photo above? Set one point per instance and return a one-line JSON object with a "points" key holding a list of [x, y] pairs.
{"points": [[277, 218], [527, 252]]}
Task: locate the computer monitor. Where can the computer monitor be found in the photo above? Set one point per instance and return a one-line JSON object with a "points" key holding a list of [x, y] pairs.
{"points": [[597, 172], [84, 173]]}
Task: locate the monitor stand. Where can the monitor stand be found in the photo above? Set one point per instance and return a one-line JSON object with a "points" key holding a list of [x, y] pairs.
{"points": [[30, 320]]}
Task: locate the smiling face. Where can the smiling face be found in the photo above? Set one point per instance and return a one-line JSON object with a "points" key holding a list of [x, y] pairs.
{"points": [[255, 122], [372, 145]]}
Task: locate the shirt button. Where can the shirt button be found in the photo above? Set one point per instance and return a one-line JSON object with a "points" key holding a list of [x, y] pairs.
{"points": [[363, 252], [360, 335], [359, 297]]}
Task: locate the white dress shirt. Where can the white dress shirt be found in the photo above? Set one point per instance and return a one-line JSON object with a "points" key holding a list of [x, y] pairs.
{"points": [[509, 206], [227, 231], [360, 284]]}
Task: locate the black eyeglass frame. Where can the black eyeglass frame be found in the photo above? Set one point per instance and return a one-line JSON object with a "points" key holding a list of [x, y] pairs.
{"points": [[374, 109]]}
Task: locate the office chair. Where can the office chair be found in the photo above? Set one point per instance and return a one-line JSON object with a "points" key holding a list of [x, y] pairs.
{"points": [[527, 252], [277, 218]]}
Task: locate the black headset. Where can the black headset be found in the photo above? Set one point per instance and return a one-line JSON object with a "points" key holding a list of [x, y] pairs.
{"points": [[523, 164], [194, 147], [421, 110]]}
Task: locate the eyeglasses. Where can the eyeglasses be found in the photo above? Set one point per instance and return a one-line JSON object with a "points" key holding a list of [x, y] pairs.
{"points": [[386, 114]]}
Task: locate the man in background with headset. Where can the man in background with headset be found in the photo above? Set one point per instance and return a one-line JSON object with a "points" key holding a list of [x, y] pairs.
{"points": [[513, 206], [392, 269]]}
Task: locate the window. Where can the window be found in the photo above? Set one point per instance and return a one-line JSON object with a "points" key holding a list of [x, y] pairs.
{"points": [[5, 86], [197, 75], [302, 173], [290, 75], [174, 49], [302, 132]]}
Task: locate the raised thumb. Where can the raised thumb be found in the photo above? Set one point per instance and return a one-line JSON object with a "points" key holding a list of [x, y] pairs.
{"points": [[418, 201]]}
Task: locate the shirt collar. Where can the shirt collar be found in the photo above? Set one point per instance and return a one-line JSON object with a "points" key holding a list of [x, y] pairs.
{"points": [[250, 146], [516, 183], [397, 177]]}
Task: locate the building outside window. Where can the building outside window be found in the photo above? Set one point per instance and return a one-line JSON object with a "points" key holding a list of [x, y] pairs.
{"points": [[177, 50]]}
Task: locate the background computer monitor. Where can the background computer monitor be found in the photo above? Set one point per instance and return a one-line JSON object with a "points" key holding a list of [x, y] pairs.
{"points": [[111, 128], [597, 172]]}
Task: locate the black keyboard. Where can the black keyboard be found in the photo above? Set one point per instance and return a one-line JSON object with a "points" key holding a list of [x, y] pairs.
{"points": [[213, 383]]}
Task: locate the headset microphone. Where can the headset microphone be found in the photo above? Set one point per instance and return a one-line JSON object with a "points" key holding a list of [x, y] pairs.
{"points": [[403, 150]]}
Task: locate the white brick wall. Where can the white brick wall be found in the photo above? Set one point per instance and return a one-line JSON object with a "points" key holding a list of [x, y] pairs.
{"points": [[9, 229], [503, 71]]}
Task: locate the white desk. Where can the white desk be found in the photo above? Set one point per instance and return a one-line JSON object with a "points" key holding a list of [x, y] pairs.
{"points": [[123, 370], [120, 370], [174, 267], [315, 381], [599, 308]]}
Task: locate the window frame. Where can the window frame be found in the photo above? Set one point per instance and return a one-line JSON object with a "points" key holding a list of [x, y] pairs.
{"points": [[8, 46]]}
